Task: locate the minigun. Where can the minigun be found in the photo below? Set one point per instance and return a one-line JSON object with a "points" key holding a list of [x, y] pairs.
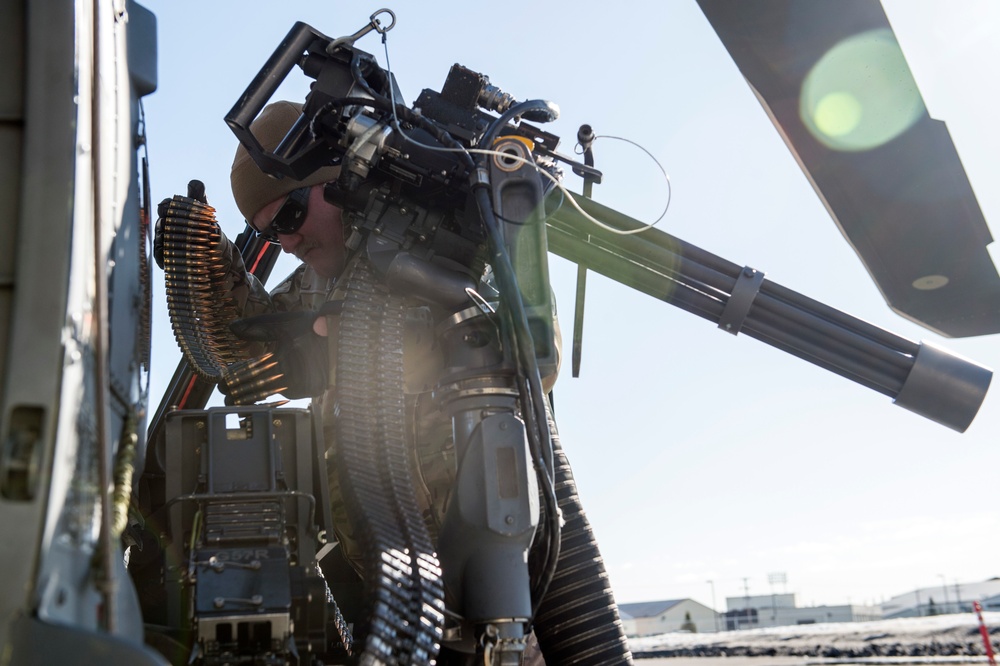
{"points": [[450, 203]]}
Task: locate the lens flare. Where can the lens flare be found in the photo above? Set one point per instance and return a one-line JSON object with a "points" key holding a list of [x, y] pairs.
{"points": [[860, 94], [838, 114]]}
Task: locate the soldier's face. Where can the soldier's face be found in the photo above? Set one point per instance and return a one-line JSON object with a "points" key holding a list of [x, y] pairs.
{"points": [[319, 242]]}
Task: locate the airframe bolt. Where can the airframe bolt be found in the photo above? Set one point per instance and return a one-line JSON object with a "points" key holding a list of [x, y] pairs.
{"points": [[509, 520]]}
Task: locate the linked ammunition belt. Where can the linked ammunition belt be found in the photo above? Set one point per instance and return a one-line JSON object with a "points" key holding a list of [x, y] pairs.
{"points": [[403, 577], [199, 306]]}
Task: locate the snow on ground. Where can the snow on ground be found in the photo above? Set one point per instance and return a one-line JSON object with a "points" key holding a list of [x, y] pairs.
{"points": [[943, 635]]}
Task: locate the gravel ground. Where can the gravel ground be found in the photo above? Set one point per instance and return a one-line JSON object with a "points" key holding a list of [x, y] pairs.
{"points": [[941, 639]]}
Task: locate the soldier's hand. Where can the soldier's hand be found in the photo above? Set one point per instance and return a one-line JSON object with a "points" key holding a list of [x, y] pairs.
{"points": [[298, 365], [196, 191], [296, 369]]}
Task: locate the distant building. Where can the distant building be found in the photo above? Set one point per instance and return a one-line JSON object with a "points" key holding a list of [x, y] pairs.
{"points": [[780, 610], [650, 618], [944, 599]]}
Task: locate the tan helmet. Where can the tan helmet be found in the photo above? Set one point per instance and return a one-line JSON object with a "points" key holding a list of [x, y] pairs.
{"points": [[252, 188]]}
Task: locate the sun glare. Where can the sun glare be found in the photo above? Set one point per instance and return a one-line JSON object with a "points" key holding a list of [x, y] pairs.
{"points": [[860, 94]]}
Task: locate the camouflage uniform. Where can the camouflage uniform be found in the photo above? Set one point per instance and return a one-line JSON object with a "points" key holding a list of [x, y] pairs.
{"points": [[429, 430], [429, 434]]}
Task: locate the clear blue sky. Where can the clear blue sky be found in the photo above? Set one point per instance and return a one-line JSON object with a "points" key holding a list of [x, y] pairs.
{"points": [[699, 456]]}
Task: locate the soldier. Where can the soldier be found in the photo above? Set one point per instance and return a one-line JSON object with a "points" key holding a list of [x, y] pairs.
{"points": [[295, 215]]}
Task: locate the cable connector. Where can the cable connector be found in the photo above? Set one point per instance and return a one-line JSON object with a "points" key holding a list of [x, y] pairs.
{"points": [[479, 177]]}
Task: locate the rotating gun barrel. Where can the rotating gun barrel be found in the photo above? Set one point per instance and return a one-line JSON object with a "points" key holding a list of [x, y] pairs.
{"points": [[919, 376]]}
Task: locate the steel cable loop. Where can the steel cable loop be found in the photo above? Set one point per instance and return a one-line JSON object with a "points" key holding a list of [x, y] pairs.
{"points": [[404, 620], [198, 304]]}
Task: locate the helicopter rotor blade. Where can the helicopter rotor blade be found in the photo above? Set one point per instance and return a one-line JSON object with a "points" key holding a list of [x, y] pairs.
{"points": [[834, 81]]}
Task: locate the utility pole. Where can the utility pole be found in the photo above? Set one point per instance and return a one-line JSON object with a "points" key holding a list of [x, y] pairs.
{"points": [[715, 613], [773, 578], [944, 586], [746, 596]]}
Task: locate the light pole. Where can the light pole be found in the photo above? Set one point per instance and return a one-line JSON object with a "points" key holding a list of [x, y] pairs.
{"points": [[944, 586], [715, 613], [746, 603], [773, 578]]}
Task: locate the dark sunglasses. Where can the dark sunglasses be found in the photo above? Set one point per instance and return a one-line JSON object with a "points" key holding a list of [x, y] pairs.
{"points": [[289, 217]]}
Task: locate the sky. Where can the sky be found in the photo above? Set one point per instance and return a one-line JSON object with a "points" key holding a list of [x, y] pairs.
{"points": [[705, 462]]}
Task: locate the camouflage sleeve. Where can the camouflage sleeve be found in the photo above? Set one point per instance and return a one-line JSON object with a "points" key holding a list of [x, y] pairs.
{"points": [[301, 290], [247, 293], [248, 297]]}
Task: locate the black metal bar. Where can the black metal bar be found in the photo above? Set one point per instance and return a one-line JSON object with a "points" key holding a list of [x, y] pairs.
{"points": [[835, 358], [867, 329], [581, 290], [808, 322], [288, 54]]}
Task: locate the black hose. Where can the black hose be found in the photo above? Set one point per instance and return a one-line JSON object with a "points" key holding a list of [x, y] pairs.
{"points": [[577, 621], [533, 404], [534, 109]]}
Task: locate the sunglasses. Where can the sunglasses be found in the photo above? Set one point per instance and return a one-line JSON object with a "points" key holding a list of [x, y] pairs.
{"points": [[289, 217]]}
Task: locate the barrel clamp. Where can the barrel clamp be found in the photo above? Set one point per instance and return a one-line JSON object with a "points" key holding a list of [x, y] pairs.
{"points": [[738, 306]]}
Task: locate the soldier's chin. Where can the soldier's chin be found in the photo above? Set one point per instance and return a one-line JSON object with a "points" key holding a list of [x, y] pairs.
{"points": [[323, 267]]}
